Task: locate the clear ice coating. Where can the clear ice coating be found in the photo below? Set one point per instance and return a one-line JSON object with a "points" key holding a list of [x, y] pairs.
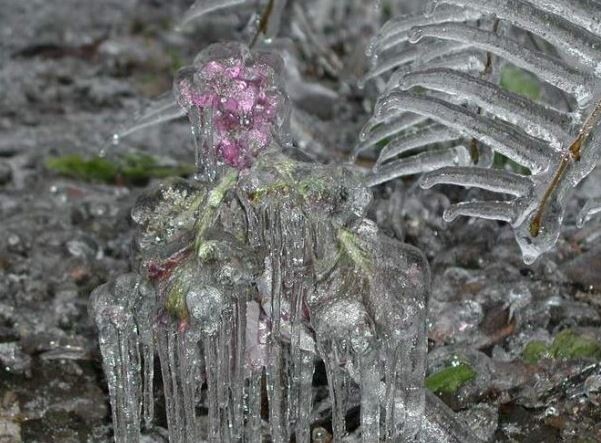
{"points": [[435, 110], [246, 276]]}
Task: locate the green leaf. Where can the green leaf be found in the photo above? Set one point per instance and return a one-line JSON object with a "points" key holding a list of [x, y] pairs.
{"points": [[75, 166], [133, 168], [451, 378], [534, 351]]}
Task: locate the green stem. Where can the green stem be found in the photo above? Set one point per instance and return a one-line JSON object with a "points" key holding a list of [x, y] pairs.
{"points": [[213, 202]]}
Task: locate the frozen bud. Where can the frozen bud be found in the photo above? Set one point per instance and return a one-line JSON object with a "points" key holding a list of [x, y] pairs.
{"points": [[238, 97]]}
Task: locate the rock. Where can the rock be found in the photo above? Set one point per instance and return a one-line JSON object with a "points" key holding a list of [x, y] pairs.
{"points": [[13, 359], [585, 269], [6, 173], [10, 427]]}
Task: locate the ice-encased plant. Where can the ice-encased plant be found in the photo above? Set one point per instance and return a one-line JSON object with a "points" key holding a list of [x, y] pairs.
{"points": [[444, 99], [248, 274]]}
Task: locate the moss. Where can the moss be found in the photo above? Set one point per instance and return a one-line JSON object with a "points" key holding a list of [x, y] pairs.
{"points": [[567, 345], [450, 379], [520, 82], [534, 351], [135, 169]]}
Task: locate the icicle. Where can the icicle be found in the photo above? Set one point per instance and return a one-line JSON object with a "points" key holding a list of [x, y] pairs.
{"points": [[410, 399], [148, 395], [253, 432], [203, 7], [211, 367], [224, 376], [391, 412], [370, 400], [119, 346], [503, 138], [555, 29], [536, 119], [274, 370], [239, 369], [337, 385], [550, 69], [419, 163], [179, 367], [303, 421], [491, 210], [440, 423], [145, 315], [495, 180], [590, 209], [416, 139]]}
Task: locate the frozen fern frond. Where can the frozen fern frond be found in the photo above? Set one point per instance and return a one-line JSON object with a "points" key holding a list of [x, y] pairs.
{"points": [[445, 102]]}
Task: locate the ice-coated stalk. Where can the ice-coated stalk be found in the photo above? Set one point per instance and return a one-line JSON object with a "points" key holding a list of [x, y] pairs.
{"points": [[202, 7], [419, 138], [550, 69], [373, 133], [419, 54], [161, 110], [275, 18], [396, 30], [553, 28], [420, 163], [536, 119], [469, 60], [585, 13], [492, 210], [503, 138], [495, 180]]}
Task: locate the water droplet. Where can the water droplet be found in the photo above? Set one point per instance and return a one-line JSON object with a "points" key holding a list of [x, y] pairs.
{"points": [[415, 35]]}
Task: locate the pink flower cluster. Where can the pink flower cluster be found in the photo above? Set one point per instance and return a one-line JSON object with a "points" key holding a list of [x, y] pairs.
{"points": [[244, 101]]}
